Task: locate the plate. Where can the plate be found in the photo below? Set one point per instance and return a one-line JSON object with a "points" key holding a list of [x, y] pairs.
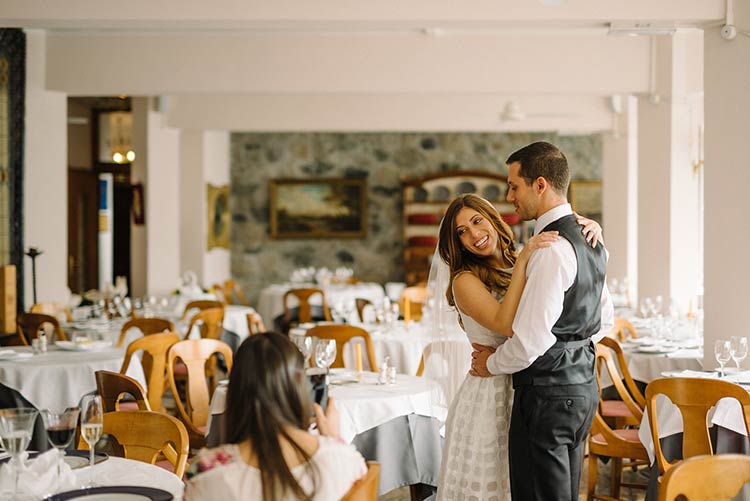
{"points": [[14, 355], [441, 193], [73, 458], [491, 192], [114, 493], [89, 346], [656, 349], [641, 340], [465, 187]]}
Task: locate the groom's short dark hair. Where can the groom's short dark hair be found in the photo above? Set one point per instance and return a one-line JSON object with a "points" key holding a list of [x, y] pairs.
{"points": [[542, 159]]}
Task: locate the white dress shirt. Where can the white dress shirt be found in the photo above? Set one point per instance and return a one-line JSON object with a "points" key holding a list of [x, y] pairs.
{"points": [[550, 273]]}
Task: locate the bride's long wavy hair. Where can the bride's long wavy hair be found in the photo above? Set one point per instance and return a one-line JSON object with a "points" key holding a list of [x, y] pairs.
{"points": [[459, 259]]}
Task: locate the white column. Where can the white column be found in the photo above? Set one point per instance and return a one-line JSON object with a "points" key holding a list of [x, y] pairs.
{"points": [[138, 175], [204, 160], [620, 191], [669, 226], [727, 177], [45, 204]]}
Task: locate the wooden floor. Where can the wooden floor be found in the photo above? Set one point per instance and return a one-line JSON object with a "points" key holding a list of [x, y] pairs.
{"points": [[602, 487]]}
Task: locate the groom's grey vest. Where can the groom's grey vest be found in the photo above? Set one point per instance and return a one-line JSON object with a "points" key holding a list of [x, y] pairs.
{"points": [[571, 359]]}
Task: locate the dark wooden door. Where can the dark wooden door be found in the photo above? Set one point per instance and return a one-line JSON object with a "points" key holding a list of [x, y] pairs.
{"points": [[83, 237]]}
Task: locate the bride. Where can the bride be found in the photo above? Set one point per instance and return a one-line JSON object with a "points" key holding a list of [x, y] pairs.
{"points": [[482, 277]]}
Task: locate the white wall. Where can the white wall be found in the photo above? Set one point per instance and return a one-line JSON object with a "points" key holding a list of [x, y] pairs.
{"points": [[45, 180], [727, 175], [139, 175], [216, 262]]}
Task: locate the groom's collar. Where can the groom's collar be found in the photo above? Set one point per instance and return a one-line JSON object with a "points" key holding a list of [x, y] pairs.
{"points": [[551, 215]]}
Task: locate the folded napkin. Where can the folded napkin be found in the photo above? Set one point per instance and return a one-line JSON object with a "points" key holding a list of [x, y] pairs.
{"points": [[698, 374], [686, 353], [39, 478]]}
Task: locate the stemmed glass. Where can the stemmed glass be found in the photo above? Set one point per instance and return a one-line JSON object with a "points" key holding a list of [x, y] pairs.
{"points": [[16, 427], [304, 345], [325, 353], [722, 352], [738, 349], [61, 427], [92, 423]]}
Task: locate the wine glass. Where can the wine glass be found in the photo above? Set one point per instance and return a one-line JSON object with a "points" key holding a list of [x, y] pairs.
{"points": [[61, 427], [304, 345], [16, 427], [722, 352], [738, 349], [325, 353], [92, 422]]}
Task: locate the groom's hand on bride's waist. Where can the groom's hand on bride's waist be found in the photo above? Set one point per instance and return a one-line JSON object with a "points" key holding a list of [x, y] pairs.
{"points": [[479, 360]]}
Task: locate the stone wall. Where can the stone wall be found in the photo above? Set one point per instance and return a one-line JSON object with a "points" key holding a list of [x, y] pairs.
{"points": [[385, 159]]}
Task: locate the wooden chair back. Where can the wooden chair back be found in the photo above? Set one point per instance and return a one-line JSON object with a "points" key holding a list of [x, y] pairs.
{"points": [[706, 478], [209, 322], [194, 353], [604, 360], [366, 488], [231, 290], [303, 296], [112, 386], [361, 303], [156, 347], [632, 388], [146, 435], [342, 334], [255, 324], [147, 326], [55, 309], [694, 397], [416, 295], [30, 324], [623, 329], [200, 304]]}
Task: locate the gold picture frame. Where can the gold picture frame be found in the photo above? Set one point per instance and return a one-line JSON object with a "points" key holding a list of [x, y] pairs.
{"points": [[318, 208], [586, 199], [219, 217]]}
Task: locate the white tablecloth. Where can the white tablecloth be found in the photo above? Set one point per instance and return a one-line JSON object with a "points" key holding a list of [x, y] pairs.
{"points": [[727, 414], [403, 347], [119, 471], [58, 379], [271, 300], [366, 404]]}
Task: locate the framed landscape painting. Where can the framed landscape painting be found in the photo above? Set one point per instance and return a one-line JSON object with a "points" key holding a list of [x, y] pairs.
{"points": [[318, 208]]}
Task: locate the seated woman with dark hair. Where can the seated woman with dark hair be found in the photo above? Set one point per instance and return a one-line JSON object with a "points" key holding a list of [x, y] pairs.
{"points": [[270, 454]]}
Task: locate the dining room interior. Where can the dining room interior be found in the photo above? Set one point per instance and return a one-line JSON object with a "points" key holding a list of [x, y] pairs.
{"points": [[231, 169]]}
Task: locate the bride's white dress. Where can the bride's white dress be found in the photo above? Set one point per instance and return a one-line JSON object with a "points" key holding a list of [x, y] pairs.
{"points": [[475, 455]]}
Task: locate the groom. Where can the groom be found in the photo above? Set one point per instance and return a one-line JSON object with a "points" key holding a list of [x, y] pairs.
{"points": [[564, 309]]}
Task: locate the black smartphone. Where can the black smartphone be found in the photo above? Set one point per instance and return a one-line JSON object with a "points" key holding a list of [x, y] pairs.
{"points": [[318, 379]]}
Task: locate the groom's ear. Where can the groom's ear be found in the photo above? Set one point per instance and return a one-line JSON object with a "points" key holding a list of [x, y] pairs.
{"points": [[540, 185]]}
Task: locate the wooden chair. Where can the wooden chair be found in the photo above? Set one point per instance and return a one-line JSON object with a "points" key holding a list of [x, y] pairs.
{"points": [[623, 330], [694, 397], [156, 347], [113, 386], [146, 436], [209, 322], [30, 324], [619, 443], [446, 361], [361, 303], [255, 324], [147, 326], [706, 478], [617, 411], [416, 296], [231, 289], [54, 309], [366, 488], [201, 304], [342, 334], [194, 353], [304, 312]]}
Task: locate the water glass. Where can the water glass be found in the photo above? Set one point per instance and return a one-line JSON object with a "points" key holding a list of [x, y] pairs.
{"points": [[722, 352], [92, 424], [16, 427], [738, 349], [304, 345], [325, 353]]}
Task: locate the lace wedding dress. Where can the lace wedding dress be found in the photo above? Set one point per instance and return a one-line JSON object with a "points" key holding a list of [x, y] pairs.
{"points": [[475, 455]]}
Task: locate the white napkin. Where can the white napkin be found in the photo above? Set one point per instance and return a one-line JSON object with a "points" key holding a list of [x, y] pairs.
{"points": [[686, 353], [39, 479], [699, 374]]}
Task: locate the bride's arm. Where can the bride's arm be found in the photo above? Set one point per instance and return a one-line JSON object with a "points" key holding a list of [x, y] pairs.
{"points": [[473, 298]]}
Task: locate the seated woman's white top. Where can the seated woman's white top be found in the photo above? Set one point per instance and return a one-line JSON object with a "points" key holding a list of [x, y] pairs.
{"points": [[221, 473]]}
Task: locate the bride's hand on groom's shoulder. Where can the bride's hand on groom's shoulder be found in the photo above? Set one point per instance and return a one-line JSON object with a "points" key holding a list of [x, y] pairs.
{"points": [[479, 360]]}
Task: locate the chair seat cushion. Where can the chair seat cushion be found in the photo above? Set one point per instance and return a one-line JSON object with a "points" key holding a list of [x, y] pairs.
{"points": [[615, 408], [629, 434], [128, 405], [180, 369], [166, 465]]}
